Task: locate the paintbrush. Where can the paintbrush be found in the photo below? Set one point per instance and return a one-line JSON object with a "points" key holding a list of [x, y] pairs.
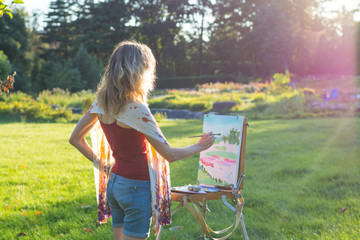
{"points": [[216, 134]]}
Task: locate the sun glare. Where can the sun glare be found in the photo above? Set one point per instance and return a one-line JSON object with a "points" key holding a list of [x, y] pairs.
{"points": [[331, 7]]}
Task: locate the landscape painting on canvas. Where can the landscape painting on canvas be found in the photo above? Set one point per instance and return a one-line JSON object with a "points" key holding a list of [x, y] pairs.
{"points": [[219, 164]]}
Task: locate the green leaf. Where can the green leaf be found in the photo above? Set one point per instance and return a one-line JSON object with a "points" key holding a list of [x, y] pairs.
{"points": [[10, 14], [2, 6], [18, 1]]}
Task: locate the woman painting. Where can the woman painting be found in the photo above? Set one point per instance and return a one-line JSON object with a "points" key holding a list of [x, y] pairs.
{"points": [[139, 176]]}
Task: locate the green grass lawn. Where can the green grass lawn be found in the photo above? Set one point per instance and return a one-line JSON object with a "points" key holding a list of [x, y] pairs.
{"points": [[300, 174]]}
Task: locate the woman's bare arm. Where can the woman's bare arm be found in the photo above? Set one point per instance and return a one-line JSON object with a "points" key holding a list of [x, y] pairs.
{"points": [[173, 154], [82, 128]]}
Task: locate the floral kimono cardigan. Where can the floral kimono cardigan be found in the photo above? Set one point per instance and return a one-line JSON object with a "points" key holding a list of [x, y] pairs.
{"points": [[139, 117]]}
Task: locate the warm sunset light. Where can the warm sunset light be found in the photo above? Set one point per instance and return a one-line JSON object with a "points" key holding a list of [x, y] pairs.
{"points": [[242, 114], [330, 7]]}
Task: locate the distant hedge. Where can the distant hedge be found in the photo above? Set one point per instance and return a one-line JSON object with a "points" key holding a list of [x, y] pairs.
{"points": [[190, 82]]}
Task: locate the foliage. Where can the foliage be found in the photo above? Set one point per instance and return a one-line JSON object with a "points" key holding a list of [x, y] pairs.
{"points": [[80, 73], [254, 100], [6, 9], [53, 106], [7, 84], [199, 106], [159, 27], [64, 98], [240, 42], [88, 68], [177, 100], [5, 65], [58, 30], [277, 99], [280, 83], [295, 186], [60, 75], [160, 116], [23, 107], [14, 42], [272, 34], [100, 26], [259, 97]]}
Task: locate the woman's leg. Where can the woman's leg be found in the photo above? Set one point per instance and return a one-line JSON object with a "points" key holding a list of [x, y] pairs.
{"points": [[130, 202], [118, 233], [132, 238]]}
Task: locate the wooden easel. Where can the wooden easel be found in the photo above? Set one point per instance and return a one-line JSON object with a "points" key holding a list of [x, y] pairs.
{"points": [[223, 194]]}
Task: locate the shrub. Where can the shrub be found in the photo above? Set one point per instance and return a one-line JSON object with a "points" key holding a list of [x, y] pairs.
{"points": [[259, 97], [260, 107], [64, 98], [23, 107], [17, 96], [156, 103], [160, 116], [86, 103], [171, 97], [236, 108], [199, 106], [280, 83]]}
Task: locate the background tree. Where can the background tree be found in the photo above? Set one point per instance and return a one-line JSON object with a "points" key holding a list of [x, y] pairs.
{"points": [[88, 68], [158, 24], [231, 45], [5, 65], [305, 32], [14, 42], [59, 34], [99, 27], [273, 36], [59, 75], [230, 39]]}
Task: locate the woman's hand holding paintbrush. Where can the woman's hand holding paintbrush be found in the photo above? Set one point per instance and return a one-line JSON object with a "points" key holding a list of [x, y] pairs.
{"points": [[206, 140]]}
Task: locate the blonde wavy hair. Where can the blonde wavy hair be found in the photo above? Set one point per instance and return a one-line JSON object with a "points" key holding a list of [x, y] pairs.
{"points": [[129, 77]]}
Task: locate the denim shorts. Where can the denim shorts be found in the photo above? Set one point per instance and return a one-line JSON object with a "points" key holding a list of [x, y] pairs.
{"points": [[130, 202]]}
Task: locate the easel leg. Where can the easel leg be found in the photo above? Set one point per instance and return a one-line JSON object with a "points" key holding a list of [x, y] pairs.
{"points": [[202, 237], [159, 234], [243, 228]]}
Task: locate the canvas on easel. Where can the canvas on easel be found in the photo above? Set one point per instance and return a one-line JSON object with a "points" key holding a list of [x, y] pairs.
{"points": [[220, 174], [219, 165]]}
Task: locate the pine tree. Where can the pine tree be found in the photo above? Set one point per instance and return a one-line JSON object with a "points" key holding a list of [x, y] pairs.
{"points": [[87, 67], [58, 31], [101, 26]]}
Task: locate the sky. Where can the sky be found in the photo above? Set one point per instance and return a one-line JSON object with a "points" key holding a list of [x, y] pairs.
{"points": [[42, 6], [334, 5]]}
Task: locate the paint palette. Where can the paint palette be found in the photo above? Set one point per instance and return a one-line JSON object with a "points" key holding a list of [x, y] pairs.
{"points": [[195, 189]]}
